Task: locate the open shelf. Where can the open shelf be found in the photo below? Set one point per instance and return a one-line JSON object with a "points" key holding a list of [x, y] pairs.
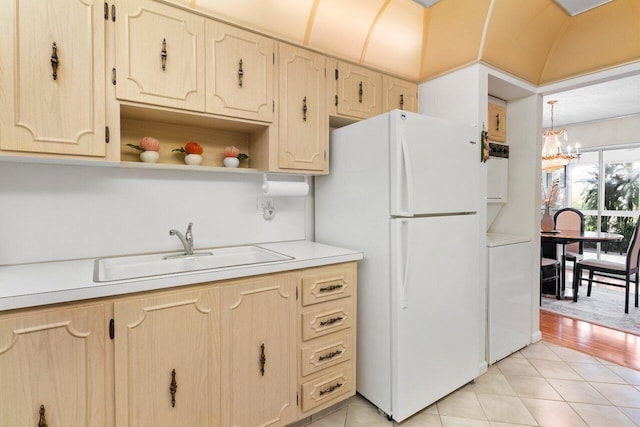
{"points": [[174, 128]]}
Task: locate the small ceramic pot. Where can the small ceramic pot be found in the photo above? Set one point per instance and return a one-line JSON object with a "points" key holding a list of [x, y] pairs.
{"points": [[149, 156], [193, 159], [231, 162]]}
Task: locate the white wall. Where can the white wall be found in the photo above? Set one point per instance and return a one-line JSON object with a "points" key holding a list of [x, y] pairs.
{"points": [[57, 212], [462, 96], [455, 96]]}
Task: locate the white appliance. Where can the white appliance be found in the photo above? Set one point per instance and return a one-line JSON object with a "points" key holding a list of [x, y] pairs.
{"points": [[497, 173], [509, 294], [403, 188]]}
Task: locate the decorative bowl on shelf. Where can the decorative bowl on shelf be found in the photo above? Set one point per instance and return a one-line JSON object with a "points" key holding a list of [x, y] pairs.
{"points": [[149, 156], [231, 162], [193, 159]]}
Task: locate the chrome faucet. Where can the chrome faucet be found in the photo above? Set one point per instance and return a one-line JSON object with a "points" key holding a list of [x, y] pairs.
{"points": [[186, 239]]}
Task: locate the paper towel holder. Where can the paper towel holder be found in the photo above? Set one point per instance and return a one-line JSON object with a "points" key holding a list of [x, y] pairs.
{"points": [[285, 188]]}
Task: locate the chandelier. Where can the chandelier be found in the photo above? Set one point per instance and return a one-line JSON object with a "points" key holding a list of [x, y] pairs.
{"points": [[553, 158]]}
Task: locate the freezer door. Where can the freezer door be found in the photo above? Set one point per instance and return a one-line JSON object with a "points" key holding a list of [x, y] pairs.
{"points": [[436, 319], [434, 165]]}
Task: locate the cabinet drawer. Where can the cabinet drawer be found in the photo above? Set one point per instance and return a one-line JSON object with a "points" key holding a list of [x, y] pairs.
{"points": [[327, 387], [324, 353], [328, 285], [327, 319]]}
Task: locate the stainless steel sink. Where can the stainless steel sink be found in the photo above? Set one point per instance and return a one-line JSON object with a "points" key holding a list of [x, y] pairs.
{"points": [[138, 266]]}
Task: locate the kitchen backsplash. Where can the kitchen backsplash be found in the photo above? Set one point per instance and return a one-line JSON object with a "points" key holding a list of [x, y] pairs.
{"points": [[59, 212]]}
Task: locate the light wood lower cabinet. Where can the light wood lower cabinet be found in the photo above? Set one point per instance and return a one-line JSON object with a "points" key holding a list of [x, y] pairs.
{"points": [[52, 367], [167, 360], [257, 324], [327, 336], [262, 351]]}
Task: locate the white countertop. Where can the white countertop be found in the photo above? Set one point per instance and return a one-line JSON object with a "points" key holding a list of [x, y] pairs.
{"points": [[28, 285], [497, 239]]}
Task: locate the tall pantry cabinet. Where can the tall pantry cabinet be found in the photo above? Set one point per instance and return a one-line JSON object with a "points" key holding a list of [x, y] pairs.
{"points": [[52, 79]]}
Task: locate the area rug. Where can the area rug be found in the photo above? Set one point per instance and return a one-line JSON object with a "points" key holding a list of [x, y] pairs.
{"points": [[604, 307]]}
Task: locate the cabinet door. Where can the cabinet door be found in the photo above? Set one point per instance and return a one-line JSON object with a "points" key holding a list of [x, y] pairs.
{"points": [[159, 55], [258, 352], [166, 360], [52, 77], [239, 72], [497, 123], [358, 91], [399, 94], [304, 123], [53, 361]]}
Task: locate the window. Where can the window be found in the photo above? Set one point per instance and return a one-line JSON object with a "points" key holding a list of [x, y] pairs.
{"points": [[605, 185]]}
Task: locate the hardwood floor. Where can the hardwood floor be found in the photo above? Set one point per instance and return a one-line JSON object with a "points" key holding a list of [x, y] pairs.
{"points": [[607, 344]]}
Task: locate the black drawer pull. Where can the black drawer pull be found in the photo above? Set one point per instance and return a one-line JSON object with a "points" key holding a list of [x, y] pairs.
{"points": [[330, 321], [330, 288], [330, 355], [330, 389]]}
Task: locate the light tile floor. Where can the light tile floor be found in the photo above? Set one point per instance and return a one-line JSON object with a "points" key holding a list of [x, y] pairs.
{"points": [[541, 385]]}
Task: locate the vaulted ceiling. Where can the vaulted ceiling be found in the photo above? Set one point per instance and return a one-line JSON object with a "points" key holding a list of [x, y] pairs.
{"points": [[535, 40]]}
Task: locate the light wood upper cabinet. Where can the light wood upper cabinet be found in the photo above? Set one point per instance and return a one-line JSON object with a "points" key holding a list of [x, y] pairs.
{"points": [[497, 122], [166, 360], [53, 360], [257, 324], [358, 91], [239, 72], [52, 86], [399, 94], [304, 121], [160, 55]]}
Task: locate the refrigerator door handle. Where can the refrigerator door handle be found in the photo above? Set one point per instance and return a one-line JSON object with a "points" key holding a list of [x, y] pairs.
{"points": [[403, 243], [408, 175]]}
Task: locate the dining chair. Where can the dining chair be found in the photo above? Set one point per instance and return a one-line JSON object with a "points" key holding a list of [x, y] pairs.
{"points": [[614, 271], [571, 219], [549, 272]]}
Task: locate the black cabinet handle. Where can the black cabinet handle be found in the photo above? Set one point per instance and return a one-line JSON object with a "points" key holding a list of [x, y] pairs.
{"points": [[263, 359], [330, 389], [54, 60], [330, 321], [173, 387], [163, 54], [304, 109], [42, 422], [329, 355], [330, 288]]}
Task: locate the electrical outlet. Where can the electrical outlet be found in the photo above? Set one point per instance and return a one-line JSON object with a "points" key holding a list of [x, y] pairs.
{"points": [[263, 203]]}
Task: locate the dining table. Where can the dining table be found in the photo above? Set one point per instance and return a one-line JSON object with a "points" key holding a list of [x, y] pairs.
{"points": [[565, 237]]}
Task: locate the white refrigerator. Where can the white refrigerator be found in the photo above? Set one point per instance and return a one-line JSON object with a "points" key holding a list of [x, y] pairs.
{"points": [[403, 188]]}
